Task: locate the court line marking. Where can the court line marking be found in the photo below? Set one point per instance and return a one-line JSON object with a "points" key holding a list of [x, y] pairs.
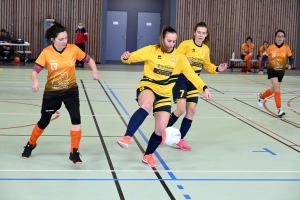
{"points": [[155, 179], [143, 171]]}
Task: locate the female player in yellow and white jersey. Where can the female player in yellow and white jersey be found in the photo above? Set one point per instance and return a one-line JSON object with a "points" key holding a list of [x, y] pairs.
{"points": [[185, 94], [162, 66], [59, 59], [277, 56]]}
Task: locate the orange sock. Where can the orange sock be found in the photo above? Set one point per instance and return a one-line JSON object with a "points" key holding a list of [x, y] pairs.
{"points": [[36, 133], [259, 64], [266, 94], [75, 139], [277, 97], [247, 60]]}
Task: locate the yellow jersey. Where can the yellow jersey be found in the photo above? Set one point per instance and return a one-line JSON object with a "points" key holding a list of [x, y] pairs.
{"points": [[200, 55], [161, 70], [61, 66]]}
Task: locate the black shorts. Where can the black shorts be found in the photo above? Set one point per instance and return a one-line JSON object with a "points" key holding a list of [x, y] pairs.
{"points": [[52, 101], [184, 89], [272, 74], [160, 104]]}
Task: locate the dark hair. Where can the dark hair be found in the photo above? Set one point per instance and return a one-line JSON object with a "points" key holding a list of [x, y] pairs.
{"points": [[265, 42], [54, 30], [249, 38], [164, 31], [203, 24], [280, 31]]}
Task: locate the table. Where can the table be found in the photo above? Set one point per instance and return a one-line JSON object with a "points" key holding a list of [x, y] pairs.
{"points": [[234, 62], [26, 44]]}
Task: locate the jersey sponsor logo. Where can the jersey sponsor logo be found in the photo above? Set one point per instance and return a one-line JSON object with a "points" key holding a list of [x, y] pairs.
{"points": [[273, 55], [197, 62], [193, 50], [159, 57], [60, 81], [204, 52], [163, 70]]}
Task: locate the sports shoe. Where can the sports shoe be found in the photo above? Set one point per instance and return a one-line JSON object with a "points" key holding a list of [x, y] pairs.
{"points": [[75, 157], [260, 101], [280, 112], [124, 142], [148, 159], [182, 145], [27, 150]]}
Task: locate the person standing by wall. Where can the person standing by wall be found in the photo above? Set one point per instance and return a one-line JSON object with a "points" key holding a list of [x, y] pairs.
{"points": [[81, 38]]}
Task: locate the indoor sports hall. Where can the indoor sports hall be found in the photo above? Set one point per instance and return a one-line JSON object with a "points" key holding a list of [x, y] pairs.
{"points": [[239, 150]]}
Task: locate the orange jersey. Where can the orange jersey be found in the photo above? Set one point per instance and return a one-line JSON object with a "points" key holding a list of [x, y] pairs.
{"points": [[247, 48], [262, 49], [278, 57], [61, 66]]}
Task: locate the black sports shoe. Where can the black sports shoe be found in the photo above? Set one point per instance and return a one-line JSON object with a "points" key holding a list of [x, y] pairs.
{"points": [[27, 150], [75, 157]]}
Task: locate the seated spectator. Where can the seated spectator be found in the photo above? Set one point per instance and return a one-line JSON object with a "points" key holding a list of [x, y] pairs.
{"points": [[247, 52], [262, 52], [4, 36]]}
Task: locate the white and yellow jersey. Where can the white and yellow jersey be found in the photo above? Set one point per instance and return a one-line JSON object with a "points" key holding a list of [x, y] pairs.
{"points": [[161, 70], [200, 55]]}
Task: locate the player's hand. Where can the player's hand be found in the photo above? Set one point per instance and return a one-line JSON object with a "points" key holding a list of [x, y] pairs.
{"points": [[126, 55], [207, 94], [190, 59], [289, 66], [222, 67], [261, 72], [96, 76], [35, 85]]}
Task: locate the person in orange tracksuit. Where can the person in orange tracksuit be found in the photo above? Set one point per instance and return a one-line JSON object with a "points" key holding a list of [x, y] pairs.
{"points": [[247, 53], [59, 58], [262, 52], [277, 54]]}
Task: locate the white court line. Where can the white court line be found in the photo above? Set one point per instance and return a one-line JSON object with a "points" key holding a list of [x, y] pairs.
{"points": [[142, 171], [38, 114]]}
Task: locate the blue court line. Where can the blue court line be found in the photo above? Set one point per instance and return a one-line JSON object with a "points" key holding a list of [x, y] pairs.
{"points": [[155, 179], [267, 150], [165, 166]]}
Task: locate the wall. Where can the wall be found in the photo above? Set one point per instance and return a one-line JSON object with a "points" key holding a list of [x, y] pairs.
{"points": [[27, 17], [231, 21]]}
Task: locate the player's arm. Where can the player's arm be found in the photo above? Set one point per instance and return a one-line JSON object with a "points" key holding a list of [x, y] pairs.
{"points": [[139, 55]]}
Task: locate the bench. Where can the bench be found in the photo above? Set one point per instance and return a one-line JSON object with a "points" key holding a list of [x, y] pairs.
{"points": [[23, 54], [236, 63]]}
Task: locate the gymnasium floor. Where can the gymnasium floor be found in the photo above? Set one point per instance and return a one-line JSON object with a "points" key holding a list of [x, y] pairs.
{"points": [[239, 151]]}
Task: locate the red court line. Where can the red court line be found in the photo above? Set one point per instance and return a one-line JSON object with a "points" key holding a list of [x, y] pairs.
{"points": [[57, 116], [258, 124]]}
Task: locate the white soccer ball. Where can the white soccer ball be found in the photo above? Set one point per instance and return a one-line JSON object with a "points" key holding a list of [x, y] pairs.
{"points": [[171, 136]]}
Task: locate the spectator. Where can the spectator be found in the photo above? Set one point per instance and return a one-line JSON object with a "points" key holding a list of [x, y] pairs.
{"points": [[4, 36], [81, 38], [247, 52]]}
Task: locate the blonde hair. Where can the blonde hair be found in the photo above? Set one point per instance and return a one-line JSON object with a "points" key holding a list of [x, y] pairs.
{"points": [[164, 31]]}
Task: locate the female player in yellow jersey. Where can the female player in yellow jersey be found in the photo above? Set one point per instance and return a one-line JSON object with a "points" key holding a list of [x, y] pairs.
{"points": [[185, 94], [162, 66], [59, 59], [277, 55]]}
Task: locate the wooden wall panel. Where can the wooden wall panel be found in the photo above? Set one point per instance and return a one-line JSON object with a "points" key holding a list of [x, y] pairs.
{"points": [[27, 17], [231, 21]]}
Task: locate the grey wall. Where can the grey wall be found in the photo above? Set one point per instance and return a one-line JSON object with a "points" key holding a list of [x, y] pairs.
{"points": [[133, 7]]}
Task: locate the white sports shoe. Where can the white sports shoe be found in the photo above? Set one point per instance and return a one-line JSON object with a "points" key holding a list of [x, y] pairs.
{"points": [[260, 101], [280, 112]]}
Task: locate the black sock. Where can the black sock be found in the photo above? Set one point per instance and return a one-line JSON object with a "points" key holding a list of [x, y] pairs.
{"points": [[135, 121], [172, 119], [153, 143], [185, 126]]}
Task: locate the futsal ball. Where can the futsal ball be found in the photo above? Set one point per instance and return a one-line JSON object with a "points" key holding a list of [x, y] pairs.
{"points": [[171, 136], [16, 59]]}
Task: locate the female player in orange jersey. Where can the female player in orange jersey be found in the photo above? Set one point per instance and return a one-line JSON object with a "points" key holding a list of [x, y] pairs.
{"points": [[185, 95], [247, 53], [162, 66], [59, 59], [277, 56]]}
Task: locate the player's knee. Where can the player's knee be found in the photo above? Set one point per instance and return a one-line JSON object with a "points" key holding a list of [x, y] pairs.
{"points": [[76, 119], [191, 112], [147, 106], [44, 121]]}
